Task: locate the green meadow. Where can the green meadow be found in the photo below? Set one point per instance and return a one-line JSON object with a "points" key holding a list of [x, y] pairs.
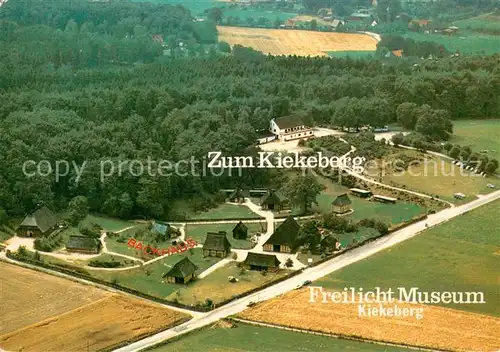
{"points": [[462, 255]]}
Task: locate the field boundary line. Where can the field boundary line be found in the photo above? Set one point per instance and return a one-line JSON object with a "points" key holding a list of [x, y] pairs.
{"points": [[337, 336], [48, 320]]}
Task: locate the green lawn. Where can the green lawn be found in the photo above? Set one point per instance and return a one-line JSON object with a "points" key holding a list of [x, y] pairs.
{"points": [[148, 279], [461, 255], [481, 23], [199, 233], [478, 135], [108, 224], [465, 42], [83, 262], [390, 213], [226, 211], [251, 338], [217, 287]]}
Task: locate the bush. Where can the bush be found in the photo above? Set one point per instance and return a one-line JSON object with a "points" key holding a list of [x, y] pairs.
{"points": [[104, 264]]}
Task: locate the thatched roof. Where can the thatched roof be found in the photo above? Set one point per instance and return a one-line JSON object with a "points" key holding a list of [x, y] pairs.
{"points": [[260, 259], [182, 269], [216, 242], [286, 233], [82, 242], [342, 200], [44, 219], [272, 197], [240, 227]]}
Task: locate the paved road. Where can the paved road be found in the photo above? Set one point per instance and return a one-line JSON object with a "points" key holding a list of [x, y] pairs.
{"points": [[312, 274]]}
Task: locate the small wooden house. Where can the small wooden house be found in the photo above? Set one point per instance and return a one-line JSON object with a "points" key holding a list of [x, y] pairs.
{"points": [[284, 237], [216, 245], [273, 200], [240, 231], [40, 223], [182, 272], [83, 244], [237, 196], [342, 204], [261, 262]]}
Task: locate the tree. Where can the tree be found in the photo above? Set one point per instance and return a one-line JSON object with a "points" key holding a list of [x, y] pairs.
{"points": [[302, 191], [3, 217], [434, 124], [407, 115], [455, 152], [224, 47], [314, 25], [491, 167], [22, 251], [289, 263], [78, 209], [398, 139]]}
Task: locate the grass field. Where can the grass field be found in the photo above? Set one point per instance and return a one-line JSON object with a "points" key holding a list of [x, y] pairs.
{"points": [[101, 324], [199, 233], [107, 224], [148, 279], [390, 213], [244, 13], [439, 177], [464, 42], [295, 42], [226, 211], [461, 255], [264, 339], [79, 262], [439, 328], [217, 287], [30, 296], [478, 135], [488, 23]]}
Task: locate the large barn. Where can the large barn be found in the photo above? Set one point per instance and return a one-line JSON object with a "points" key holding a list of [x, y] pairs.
{"points": [[261, 262], [216, 245], [284, 237], [83, 244], [40, 223]]}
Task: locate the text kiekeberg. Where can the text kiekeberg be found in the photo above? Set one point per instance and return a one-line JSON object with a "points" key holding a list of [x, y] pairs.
{"points": [[280, 160]]}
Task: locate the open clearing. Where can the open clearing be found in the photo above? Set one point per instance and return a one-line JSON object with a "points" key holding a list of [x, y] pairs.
{"points": [[102, 324], [438, 328], [478, 135], [431, 175], [28, 296], [459, 256], [264, 339], [295, 42], [217, 287]]}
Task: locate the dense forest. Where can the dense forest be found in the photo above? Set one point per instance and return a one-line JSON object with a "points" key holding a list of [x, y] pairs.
{"points": [[174, 109]]}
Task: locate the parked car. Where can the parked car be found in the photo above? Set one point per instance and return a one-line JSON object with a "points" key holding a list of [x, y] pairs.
{"points": [[251, 304], [307, 282]]}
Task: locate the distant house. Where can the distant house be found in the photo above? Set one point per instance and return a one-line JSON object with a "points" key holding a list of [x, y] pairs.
{"points": [[182, 272], [384, 199], [216, 245], [362, 193], [240, 231], [397, 53], [273, 200], [284, 237], [337, 24], [287, 128], [261, 262], [83, 244], [342, 204], [237, 196], [40, 223], [157, 38]]}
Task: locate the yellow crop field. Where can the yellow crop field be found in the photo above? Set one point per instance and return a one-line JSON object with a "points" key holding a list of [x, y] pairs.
{"points": [[439, 328], [29, 296], [93, 327], [296, 42]]}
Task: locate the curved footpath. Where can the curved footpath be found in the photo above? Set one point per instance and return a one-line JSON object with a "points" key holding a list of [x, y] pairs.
{"points": [[312, 274]]}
